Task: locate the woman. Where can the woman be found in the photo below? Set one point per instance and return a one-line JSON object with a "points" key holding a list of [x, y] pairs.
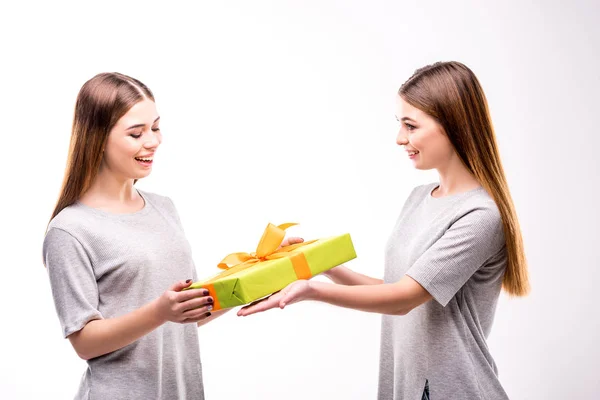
{"points": [[454, 246], [118, 258]]}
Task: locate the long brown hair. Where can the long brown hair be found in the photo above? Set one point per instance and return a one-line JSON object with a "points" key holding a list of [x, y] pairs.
{"points": [[101, 102], [451, 93]]}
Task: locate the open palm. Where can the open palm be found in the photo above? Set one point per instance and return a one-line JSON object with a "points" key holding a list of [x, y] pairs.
{"points": [[292, 293]]}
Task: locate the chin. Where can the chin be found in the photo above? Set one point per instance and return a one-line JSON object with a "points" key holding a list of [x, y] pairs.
{"points": [[423, 167], [140, 176]]}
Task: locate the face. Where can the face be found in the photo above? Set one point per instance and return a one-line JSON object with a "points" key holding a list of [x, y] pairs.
{"points": [[423, 138], [131, 144]]}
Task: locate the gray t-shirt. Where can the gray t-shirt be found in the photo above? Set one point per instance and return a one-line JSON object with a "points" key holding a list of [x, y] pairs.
{"points": [[104, 265], [454, 247]]}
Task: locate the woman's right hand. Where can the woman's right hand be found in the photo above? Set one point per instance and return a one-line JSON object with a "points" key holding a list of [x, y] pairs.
{"points": [[184, 306]]}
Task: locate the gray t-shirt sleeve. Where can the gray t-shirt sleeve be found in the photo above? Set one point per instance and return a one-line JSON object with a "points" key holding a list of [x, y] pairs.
{"points": [[72, 280], [468, 243]]}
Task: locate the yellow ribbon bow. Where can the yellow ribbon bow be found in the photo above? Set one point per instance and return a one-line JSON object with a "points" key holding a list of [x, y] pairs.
{"points": [[268, 249]]}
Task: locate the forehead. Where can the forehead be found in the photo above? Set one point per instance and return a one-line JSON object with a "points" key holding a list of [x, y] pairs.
{"points": [[403, 109], [143, 112]]}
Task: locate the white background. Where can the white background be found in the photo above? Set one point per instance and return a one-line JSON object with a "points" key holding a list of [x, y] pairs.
{"points": [[284, 111]]}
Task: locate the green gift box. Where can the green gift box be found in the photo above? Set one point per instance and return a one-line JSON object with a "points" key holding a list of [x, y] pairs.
{"points": [[251, 276]]}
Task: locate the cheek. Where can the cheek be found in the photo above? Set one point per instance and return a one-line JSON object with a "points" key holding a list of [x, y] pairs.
{"points": [[121, 151], [441, 149], [434, 145]]}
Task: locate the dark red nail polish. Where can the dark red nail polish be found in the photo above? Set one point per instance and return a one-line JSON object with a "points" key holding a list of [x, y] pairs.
{"points": [[188, 281], [210, 300], [206, 292], [208, 314]]}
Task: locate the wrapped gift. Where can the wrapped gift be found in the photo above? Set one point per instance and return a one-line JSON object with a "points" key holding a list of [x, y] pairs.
{"points": [[250, 276]]}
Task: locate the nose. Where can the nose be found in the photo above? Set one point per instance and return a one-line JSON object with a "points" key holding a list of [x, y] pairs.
{"points": [[153, 139], [401, 139]]}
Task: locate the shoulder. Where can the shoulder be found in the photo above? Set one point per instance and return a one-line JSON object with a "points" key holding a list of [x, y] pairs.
{"points": [[71, 219], [420, 192], [157, 200], [480, 212], [482, 204], [163, 204]]}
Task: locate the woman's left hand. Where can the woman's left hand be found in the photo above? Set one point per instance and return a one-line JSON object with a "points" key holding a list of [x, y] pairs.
{"points": [[292, 293], [291, 240]]}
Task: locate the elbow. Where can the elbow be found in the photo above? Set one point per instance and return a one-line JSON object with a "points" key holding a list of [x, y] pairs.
{"points": [[88, 354], [83, 356], [83, 351], [402, 311]]}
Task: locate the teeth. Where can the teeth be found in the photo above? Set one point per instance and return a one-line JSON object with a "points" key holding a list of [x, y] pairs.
{"points": [[143, 159], [412, 153]]}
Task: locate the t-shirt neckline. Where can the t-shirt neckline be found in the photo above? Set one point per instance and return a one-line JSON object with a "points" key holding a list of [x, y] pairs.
{"points": [[143, 211]]}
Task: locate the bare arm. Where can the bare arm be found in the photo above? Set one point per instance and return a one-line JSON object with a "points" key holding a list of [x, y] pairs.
{"points": [[102, 336], [395, 299], [345, 276]]}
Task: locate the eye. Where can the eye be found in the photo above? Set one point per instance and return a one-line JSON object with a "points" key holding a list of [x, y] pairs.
{"points": [[410, 127], [137, 136], [155, 129]]}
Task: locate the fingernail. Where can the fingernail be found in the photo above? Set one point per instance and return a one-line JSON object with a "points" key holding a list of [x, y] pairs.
{"points": [[210, 300], [188, 281], [210, 308], [208, 314], [205, 292]]}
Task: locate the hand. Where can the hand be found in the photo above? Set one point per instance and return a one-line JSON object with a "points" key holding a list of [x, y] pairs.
{"points": [[184, 307], [292, 293], [291, 240]]}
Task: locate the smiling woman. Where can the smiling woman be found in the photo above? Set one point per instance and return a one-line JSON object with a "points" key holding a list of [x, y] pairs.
{"points": [[118, 258], [455, 244]]}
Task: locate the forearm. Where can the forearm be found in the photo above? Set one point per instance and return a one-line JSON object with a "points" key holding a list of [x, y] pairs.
{"points": [[345, 276], [99, 337], [395, 299]]}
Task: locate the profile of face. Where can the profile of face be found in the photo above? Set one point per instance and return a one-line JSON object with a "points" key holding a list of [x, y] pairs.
{"points": [[132, 142], [423, 138]]}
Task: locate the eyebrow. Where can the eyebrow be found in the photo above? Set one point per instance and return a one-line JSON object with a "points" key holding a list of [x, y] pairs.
{"points": [[407, 119], [140, 125]]}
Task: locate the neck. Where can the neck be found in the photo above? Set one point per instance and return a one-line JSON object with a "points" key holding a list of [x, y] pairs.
{"points": [[109, 188], [455, 178]]}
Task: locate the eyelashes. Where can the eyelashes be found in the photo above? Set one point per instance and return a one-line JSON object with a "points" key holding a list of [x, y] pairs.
{"points": [[139, 135]]}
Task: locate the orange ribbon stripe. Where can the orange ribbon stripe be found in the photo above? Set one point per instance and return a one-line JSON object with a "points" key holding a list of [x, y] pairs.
{"points": [[213, 293]]}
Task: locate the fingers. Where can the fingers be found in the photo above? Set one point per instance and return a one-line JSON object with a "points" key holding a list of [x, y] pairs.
{"points": [[291, 240], [197, 312], [195, 303], [190, 294], [197, 318], [179, 286], [285, 300], [267, 304]]}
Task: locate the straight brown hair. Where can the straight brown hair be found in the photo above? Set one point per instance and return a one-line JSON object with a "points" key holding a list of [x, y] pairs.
{"points": [[451, 93], [101, 102]]}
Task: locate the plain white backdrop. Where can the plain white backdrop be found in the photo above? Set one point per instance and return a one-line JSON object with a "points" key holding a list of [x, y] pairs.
{"points": [[276, 111]]}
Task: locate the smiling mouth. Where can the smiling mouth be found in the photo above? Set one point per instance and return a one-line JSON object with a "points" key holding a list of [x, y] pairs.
{"points": [[144, 160]]}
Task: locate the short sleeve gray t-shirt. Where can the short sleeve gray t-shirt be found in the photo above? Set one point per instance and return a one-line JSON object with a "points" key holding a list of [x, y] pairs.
{"points": [[454, 247], [104, 265]]}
